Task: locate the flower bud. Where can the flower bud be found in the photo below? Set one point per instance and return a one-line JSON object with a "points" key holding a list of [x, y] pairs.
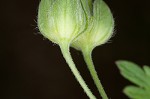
{"points": [[99, 30], [61, 19]]}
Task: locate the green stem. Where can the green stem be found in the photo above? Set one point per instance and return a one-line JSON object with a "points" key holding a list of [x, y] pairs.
{"points": [[90, 65], [66, 54]]}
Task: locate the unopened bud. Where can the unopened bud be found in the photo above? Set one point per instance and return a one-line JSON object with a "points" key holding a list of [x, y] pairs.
{"points": [[99, 30], [60, 20]]}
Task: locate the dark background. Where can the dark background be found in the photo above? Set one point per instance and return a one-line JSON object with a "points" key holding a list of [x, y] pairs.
{"points": [[32, 67]]}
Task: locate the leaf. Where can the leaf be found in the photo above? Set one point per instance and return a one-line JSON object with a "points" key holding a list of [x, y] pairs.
{"points": [[147, 70], [136, 93], [138, 76], [132, 72]]}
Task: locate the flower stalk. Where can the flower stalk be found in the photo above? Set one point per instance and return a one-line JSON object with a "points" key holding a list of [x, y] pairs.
{"points": [[66, 54], [88, 59]]}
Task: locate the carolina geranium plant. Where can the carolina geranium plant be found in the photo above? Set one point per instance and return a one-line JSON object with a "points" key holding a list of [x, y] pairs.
{"points": [[81, 24]]}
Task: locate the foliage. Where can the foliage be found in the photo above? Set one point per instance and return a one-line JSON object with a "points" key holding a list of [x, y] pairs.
{"points": [[138, 76]]}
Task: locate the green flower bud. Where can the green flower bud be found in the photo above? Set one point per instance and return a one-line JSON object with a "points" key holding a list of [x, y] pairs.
{"points": [[100, 28], [60, 20], [83, 24]]}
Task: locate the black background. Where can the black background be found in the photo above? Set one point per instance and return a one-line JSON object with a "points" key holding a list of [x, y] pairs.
{"points": [[32, 67]]}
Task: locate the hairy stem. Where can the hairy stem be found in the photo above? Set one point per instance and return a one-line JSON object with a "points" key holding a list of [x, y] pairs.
{"points": [[66, 54], [90, 65]]}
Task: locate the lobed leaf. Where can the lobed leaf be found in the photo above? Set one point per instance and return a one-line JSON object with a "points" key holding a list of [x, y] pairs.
{"points": [[136, 93], [137, 75], [147, 70], [132, 72]]}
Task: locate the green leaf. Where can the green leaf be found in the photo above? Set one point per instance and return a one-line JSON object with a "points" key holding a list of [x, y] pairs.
{"points": [[147, 70], [138, 76], [132, 72], [136, 93]]}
